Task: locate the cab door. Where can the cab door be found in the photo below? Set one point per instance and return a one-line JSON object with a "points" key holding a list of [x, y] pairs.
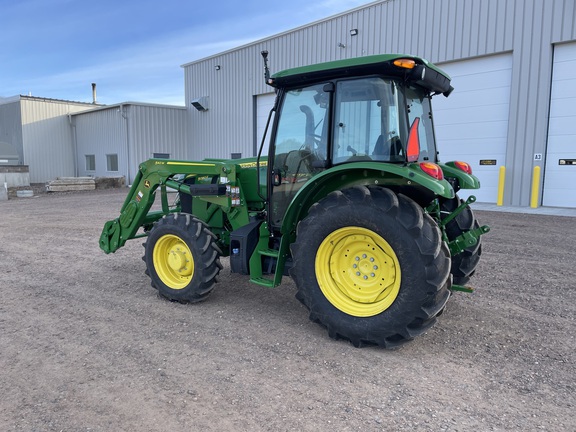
{"points": [[300, 145]]}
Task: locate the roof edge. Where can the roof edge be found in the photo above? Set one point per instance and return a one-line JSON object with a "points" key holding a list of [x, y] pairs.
{"points": [[128, 103]]}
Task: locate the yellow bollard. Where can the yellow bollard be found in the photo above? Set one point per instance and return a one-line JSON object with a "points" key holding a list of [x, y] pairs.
{"points": [[535, 187], [501, 180]]}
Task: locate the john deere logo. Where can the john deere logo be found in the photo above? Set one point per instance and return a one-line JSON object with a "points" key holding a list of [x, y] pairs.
{"points": [[147, 184]]}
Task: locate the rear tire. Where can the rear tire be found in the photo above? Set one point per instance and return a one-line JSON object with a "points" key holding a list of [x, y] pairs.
{"points": [[182, 258], [464, 264], [371, 267]]}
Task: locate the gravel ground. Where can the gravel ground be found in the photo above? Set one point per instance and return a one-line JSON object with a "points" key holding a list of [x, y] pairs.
{"points": [[87, 345]]}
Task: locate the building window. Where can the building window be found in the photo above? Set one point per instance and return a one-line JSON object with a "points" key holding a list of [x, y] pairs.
{"points": [[90, 162], [112, 162], [161, 155]]}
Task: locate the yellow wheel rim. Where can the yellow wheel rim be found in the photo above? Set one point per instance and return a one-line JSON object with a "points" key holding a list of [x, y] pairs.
{"points": [[358, 271], [173, 261]]}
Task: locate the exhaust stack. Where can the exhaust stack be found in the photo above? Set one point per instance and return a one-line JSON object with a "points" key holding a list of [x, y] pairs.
{"points": [[94, 93]]}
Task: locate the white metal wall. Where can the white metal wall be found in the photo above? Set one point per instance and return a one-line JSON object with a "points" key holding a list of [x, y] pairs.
{"points": [[132, 131], [156, 129], [99, 133], [440, 30], [47, 139]]}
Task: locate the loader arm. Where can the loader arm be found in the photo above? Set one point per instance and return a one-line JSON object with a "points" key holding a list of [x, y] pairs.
{"points": [[160, 174]]}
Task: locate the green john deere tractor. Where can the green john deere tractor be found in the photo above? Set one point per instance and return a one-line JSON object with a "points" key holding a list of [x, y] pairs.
{"points": [[351, 202]]}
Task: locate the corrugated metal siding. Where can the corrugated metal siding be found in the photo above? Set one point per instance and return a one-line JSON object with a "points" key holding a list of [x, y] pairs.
{"points": [[100, 133], [156, 130], [47, 138], [440, 30], [11, 126], [132, 131], [563, 16]]}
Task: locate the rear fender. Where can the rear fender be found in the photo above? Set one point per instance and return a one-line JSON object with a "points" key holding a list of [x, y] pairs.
{"points": [[465, 180], [359, 173]]}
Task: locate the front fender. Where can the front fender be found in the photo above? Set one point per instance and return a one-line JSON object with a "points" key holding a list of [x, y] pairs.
{"points": [[360, 173]]}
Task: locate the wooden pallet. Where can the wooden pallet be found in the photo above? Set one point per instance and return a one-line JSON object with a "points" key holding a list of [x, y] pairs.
{"points": [[64, 184]]}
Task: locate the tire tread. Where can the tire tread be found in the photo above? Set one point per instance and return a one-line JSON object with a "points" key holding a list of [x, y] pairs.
{"points": [[434, 251]]}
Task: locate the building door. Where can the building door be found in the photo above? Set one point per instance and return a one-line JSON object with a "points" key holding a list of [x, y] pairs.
{"points": [[560, 169], [472, 124]]}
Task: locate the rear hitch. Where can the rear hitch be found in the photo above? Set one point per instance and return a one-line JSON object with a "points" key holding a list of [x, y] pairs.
{"points": [[471, 199], [467, 239]]}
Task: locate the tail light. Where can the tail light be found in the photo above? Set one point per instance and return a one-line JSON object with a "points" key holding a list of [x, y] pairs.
{"points": [[432, 170], [463, 166]]}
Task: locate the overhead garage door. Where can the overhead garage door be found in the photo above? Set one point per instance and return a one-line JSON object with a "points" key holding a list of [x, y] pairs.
{"points": [[560, 169], [472, 124], [264, 104]]}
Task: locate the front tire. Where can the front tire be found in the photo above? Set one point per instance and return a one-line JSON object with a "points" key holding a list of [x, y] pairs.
{"points": [[182, 258], [371, 266]]}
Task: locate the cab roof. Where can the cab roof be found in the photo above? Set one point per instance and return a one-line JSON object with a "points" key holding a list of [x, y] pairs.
{"points": [[381, 64]]}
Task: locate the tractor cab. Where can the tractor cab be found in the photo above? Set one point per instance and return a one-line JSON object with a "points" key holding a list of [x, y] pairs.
{"points": [[374, 109]]}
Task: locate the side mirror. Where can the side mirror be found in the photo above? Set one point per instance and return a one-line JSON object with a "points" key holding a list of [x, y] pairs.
{"points": [[320, 163], [276, 177]]}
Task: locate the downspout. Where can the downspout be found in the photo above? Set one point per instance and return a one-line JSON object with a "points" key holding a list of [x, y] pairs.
{"points": [[125, 117], [75, 146]]}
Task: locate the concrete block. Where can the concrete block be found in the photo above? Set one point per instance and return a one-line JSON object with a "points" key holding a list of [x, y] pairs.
{"points": [[24, 193]]}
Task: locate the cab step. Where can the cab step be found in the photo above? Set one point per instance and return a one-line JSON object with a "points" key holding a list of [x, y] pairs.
{"points": [[461, 288], [269, 252], [263, 281]]}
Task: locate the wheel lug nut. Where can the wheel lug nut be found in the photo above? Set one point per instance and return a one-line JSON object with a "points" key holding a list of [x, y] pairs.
{"points": [[357, 273], [372, 274], [355, 266], [375, 267], [357, 258], [365, 277], [364, 256]]}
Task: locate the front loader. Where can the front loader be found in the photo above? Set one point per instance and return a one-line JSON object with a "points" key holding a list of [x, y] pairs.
{"points": [[351, 201]]}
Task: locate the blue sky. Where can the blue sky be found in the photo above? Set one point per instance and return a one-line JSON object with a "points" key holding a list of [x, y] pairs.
{"points": [[132, 49]]}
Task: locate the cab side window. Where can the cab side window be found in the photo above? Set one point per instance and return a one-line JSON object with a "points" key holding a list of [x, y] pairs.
{"points": [[366, 124]]}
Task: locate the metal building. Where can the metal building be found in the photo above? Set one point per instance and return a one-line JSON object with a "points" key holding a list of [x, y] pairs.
{"points": [[113, 140], [57, 138], [38, 130], [512, 64]]}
